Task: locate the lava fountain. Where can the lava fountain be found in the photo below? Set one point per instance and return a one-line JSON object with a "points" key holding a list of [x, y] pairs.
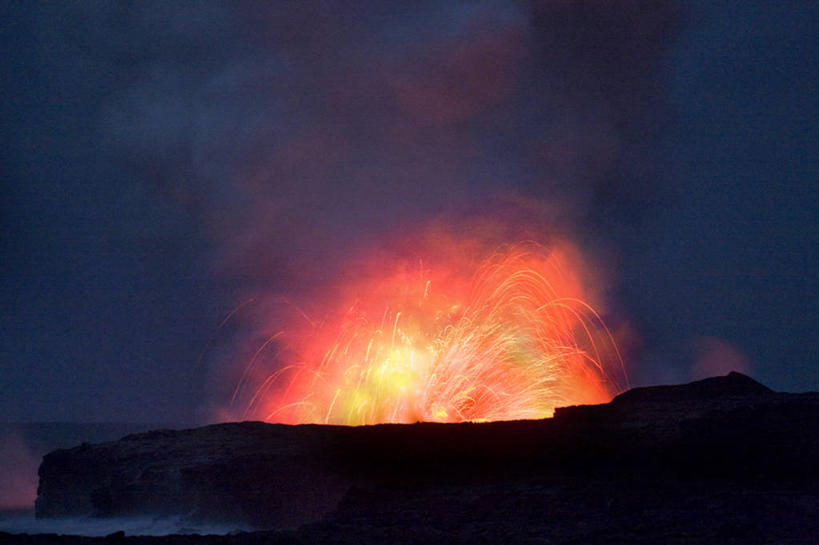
{"points": [[513, 339]]}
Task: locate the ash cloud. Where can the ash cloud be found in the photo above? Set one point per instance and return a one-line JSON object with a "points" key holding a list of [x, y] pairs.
{"points": [[213, 151], [294, 130]]}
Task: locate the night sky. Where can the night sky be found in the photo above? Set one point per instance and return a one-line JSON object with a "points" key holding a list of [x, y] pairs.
{"points": [[163, 162]]}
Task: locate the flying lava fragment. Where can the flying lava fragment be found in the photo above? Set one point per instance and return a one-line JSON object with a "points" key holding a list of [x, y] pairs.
{"points": [[512, 339]]}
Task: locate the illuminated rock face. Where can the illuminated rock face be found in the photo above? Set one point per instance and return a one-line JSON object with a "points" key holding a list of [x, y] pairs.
{"points": [[693, 437]]}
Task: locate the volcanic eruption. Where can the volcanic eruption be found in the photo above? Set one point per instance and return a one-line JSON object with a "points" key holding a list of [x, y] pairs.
{"points": [[505, 334]]}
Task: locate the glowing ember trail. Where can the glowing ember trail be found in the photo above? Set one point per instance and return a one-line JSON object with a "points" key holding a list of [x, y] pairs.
{"points": [[512, 341]]}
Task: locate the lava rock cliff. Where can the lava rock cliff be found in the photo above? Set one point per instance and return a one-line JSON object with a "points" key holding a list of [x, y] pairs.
{"points": [[686, 459]]}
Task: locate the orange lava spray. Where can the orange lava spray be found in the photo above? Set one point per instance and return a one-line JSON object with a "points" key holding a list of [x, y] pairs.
{"points": [[512, 341]]}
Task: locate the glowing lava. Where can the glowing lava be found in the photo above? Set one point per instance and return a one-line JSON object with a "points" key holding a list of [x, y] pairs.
{"points": [[511, 341]]}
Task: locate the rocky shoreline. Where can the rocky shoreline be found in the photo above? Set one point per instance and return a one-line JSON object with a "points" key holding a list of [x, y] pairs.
{"points": [[724, 460]]}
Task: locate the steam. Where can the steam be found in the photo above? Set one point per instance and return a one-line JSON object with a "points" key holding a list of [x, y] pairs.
{"points": [[716, 357], [311, 128], [314, 129], [18, 473], [25, 523]]}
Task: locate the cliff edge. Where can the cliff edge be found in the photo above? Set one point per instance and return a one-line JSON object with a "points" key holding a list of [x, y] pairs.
{"points": [[648, 446]]}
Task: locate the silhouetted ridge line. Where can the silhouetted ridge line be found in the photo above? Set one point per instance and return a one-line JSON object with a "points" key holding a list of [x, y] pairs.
{"points": [[727, 437], [732, 384]]}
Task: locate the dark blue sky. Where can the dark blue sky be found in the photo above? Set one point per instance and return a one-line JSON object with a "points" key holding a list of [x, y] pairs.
{"points": [[162, 162], [735, 256]]}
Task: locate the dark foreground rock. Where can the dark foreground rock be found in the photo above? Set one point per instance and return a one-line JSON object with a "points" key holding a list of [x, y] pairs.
{"points": [[724, 460]]}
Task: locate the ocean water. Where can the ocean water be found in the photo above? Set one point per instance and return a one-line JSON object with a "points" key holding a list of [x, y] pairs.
{"points": [[22, 521]]}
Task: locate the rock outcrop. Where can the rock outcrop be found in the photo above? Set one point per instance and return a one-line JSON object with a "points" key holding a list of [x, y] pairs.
{"points": [[250, 471], [727, 437]]}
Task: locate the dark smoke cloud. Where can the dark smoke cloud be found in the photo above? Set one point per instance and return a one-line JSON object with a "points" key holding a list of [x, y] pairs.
{"points": [[178, 159], [170, 160], [311, 126]]}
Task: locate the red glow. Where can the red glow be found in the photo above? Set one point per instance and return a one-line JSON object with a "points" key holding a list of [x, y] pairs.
{"points": [[509, 339]]}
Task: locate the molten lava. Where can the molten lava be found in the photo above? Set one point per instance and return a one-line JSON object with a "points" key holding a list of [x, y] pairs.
{"points": [[512, 340]]}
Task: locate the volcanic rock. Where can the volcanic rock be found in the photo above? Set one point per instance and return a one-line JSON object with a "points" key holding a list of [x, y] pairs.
{"points": [[715, 388], [716, 461]]}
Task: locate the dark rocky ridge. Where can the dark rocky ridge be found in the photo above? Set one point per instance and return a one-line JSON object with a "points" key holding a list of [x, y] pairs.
{"points": [[724, 460], [732, 385]]}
